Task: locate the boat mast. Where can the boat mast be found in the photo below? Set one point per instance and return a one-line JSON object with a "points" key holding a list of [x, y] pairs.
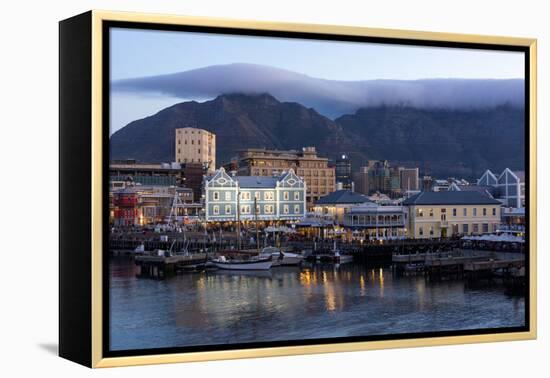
{"points": [[238, 220], [256, 221]]}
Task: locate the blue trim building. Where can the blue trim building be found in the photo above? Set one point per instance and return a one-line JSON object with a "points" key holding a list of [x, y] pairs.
{"points": [[279, 198]]}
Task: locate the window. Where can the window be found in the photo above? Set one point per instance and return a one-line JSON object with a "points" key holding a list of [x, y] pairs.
{"points": [[474, 211], [245, 209], [199, 150], [419, 213], [475, 228], [286, 196], [268, 196], [285, 209], [296, 209], [431, 231], [494, 211], [484, 212], [465, 212], [296, 196], [268, 209], [216, 196], [420, 231], [216, 210], [431, 212], [454, 212], [228, 209], [228, 196], [485, 227], [257, 195], [465, 228], [245, 195]]}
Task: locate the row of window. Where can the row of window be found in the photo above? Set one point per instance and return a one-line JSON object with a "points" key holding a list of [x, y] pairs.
{"points": [[430, 212], [192, 141], [198, 151], [465, 229], [268, 196], [246, 209]]}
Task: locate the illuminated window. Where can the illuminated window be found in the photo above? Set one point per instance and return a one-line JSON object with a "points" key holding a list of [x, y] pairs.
{"points": [[228, 196], [286, 196], [296, 196], [285, 209], [268, 209], [268, 196], [296, 209], [216, 210], [216, 196], [228, 209]]}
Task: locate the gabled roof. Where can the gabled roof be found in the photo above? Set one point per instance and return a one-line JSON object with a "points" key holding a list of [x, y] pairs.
{"points": [[256, 181], [486, 190], [343, 197], [450, 198]]}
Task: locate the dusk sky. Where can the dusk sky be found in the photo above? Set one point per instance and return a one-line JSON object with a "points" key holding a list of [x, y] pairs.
{"points": [[136, 54]]}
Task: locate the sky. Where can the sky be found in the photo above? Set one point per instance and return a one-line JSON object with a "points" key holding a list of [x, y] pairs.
{"points": [[141, 53]]}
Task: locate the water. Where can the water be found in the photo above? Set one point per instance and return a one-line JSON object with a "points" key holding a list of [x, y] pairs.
{"points": [[292, 303]]}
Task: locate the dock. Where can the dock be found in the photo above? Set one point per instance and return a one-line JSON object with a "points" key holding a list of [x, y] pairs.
{"points": [[160, 267]]}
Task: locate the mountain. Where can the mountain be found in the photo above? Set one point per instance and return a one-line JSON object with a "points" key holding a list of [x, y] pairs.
{"points": [[442, 142], [238, 121], [331, 98]]}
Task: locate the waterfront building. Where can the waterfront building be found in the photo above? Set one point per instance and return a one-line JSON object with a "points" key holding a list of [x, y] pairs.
{"points": [[451, 213], [509, 185], [277, 198], [319, 177], [136, 205], [336, 204], [343, 173], [189, 175], [372, 221], [196, 146]]}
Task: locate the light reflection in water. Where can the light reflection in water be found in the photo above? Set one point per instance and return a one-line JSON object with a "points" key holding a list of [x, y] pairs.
{"points": [[290, 303]]}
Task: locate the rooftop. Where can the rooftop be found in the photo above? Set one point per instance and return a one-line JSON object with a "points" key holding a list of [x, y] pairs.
{"points": [[343, 197], [450, 198], [256, 181]]}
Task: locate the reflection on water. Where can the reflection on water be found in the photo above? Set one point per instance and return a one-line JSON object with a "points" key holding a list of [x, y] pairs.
{"points": [[291, 303]]}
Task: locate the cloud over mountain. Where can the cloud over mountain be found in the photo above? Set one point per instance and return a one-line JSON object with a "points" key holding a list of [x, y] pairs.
{"points": [[331, 98]]}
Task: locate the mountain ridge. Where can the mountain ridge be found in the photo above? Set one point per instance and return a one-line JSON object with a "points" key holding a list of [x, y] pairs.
{"points": [[439, 141]]}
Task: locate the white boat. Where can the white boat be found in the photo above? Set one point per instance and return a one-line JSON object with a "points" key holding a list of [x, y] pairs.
{"points": [[342, 259], [253, 263], [140, 249], [281, 258]]}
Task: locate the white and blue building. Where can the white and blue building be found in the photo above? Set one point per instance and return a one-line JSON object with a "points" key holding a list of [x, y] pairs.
{"points": [[277, 198]]}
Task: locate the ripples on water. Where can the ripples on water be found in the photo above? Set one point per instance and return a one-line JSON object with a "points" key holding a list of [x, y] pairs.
{"points": [[291, 303]]}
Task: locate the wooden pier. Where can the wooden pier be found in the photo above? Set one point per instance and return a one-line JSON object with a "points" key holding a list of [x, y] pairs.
{"points": [[160, 267]]}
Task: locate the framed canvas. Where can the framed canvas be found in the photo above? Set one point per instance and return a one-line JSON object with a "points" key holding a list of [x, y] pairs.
{"points": [[234, 189]]}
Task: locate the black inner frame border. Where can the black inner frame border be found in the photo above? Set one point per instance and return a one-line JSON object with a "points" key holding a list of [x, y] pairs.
{"points": [[108, 25]]}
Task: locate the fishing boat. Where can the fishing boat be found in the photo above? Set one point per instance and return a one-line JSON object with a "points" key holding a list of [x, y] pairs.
{"points": [[252, 263]]}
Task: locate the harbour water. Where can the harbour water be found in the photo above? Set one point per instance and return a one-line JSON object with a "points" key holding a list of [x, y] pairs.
{"points": [[294, 303]]}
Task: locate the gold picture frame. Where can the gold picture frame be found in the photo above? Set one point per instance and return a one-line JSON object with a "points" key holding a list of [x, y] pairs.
{"points": [[91, 329]]}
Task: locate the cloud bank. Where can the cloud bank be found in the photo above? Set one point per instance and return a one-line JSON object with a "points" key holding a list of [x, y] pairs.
{"points": [[331, 98]]}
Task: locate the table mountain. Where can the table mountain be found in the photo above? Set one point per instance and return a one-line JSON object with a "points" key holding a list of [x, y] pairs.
{"points": [[443, 142]]}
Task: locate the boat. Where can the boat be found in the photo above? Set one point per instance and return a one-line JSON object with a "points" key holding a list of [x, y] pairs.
{"points": [[342, 259], [281, 258], [253, 263], [140, 249]]}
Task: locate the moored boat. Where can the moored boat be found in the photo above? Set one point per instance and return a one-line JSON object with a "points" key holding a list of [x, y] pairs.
{"points": [[253, 263]]}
